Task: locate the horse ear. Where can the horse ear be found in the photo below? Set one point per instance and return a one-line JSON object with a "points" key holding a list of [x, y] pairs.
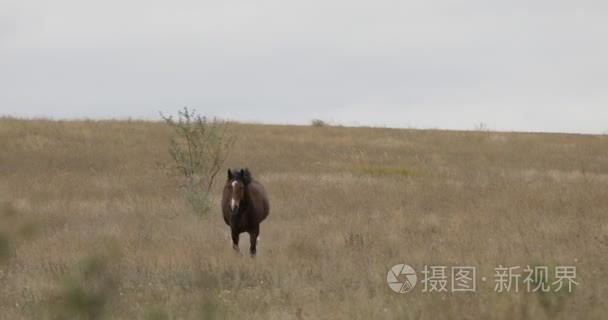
{"points": [[246, 175], [230, 175]]}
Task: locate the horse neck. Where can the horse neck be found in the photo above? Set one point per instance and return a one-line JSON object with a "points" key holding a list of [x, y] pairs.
{"points": [[246, 194]]}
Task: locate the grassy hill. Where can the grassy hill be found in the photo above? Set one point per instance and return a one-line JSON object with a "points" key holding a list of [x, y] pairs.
{"points": [[91, 225]]}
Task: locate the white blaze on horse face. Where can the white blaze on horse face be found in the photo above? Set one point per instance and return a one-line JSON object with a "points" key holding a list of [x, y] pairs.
{"points": [[232, 201]]}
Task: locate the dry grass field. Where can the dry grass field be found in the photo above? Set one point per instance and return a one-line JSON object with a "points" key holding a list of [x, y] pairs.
{"points": [[90, 226]]}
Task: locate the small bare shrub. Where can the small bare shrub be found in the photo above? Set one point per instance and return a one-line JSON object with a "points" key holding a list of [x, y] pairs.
{"points": [[481, 127], [318, 123], [198, 148]]}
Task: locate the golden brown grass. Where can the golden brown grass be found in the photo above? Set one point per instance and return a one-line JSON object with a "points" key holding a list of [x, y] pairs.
{"points": [[346, 205]]}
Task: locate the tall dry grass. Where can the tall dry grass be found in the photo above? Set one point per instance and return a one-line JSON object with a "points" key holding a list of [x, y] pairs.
{"points": [[95, 228]]}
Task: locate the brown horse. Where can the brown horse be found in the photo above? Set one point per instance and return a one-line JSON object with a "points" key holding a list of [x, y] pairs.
{"points": [[244, 206]]}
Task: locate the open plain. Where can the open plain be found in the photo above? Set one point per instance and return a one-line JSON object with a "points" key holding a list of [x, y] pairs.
{"points": [[92, 227]]}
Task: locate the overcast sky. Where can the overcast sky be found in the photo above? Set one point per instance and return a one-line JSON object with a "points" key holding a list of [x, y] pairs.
{"points": [[513, 65]]}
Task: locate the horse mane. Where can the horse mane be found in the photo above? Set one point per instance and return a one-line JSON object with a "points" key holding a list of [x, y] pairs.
{"points": [[246, 176]]}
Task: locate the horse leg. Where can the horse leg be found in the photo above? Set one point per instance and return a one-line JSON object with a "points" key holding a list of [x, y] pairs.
{"points": [[253, 238], [235, 240]]}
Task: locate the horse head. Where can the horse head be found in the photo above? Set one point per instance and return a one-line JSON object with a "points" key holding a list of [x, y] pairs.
{"points": [[236, 184]]}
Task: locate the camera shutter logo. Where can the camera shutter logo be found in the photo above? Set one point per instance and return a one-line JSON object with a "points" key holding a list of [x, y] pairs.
{"points": [[401, 278]]}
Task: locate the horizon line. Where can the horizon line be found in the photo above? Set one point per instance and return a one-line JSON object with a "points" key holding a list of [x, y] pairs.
{"points": [[329, 124]]}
